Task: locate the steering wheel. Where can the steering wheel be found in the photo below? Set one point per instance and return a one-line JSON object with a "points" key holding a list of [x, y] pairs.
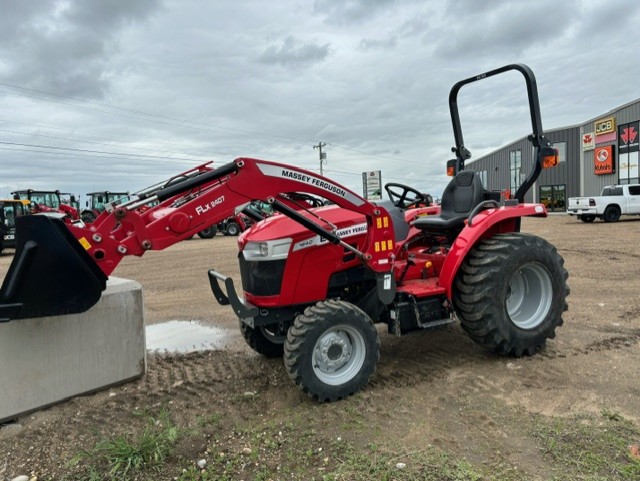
{"points": [[406, 197]]}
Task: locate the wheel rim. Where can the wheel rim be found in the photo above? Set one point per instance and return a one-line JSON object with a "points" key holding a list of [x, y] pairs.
{"points": [[275, 334], [530, 296], [338, 355]]}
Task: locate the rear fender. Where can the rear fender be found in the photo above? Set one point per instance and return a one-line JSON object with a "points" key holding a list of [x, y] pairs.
{"points": [[485, 224]]}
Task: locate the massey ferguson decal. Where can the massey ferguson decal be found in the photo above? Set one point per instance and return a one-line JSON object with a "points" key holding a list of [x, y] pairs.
{"points": [[588, 141], [201, 209], [628, 147], [342, 233], [628, 137], [277, 171]]}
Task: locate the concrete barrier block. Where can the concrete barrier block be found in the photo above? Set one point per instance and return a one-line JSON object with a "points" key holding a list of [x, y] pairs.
{"points": [[47, 360]]}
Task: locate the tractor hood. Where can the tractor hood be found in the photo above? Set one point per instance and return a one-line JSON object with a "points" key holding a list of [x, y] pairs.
{"points": [[343, 221]]}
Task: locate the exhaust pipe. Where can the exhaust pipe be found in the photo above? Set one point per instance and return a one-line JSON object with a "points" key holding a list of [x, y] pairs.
{"points": [[51, 273]]}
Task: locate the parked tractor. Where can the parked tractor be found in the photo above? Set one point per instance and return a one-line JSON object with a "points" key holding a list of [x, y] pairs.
{"points": [[96, 202], [317, 280], [10, 209], [241, 221], [50, 201]]}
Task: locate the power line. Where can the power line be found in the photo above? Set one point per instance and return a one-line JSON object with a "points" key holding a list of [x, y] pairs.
{"points": [[137, 114], [97, 151], [162, 119], [393, 159], [81, 141]]}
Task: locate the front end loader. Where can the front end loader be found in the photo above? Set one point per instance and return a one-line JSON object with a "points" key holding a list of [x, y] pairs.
{"points": [[317, 280]]}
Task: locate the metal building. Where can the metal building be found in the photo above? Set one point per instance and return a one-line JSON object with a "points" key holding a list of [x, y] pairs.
{"points": [[599, 152]]}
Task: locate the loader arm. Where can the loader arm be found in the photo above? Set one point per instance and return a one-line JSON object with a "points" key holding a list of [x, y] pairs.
{"points": [[62, 269]]}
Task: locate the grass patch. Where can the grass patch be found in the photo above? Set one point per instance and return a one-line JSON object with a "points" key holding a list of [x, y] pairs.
{"points": [[295, 451], [300, 447], [209, 420], [590, 448], [382, 464], [118, 456]]}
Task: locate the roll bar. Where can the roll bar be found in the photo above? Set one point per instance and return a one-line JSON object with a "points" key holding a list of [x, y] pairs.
{"points": [[537, 137]]}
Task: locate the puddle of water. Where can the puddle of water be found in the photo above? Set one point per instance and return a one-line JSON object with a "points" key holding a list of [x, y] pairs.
{"points": [[186, 336]]}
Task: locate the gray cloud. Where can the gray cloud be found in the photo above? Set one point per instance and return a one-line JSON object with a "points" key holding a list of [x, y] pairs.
{"points": [[463, 8], [341, 12], [378, 44], [218, 80], [507, 28], [414, 26], [65, 46], [597, 25], [293, 52], [16, 15]]}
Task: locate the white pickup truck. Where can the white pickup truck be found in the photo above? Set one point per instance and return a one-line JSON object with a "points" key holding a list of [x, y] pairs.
{"points": [[614, 201]]}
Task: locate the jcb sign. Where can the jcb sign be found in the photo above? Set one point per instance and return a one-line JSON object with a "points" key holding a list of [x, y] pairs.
{"points": [[605, 126], [603, 162]]}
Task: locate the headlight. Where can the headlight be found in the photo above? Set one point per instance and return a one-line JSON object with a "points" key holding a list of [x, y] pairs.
{"points": [[268, 250]]}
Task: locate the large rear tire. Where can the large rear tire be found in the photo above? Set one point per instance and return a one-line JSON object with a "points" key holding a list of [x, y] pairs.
{"points": [[611, 214], [265, 340], [331, 350], [510, 293]]}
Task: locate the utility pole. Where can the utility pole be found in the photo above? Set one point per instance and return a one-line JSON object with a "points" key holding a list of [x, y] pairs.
{"points": [[323, 155]]}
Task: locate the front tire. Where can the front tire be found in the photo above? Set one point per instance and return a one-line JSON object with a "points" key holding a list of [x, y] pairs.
{"points": [[265, 340], [208, 233], [510, 293], [331, 350], [233, 229], [88, 217]]}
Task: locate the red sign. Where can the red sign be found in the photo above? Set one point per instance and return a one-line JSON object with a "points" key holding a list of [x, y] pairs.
{"points": [[629, 135], [603, 160]]}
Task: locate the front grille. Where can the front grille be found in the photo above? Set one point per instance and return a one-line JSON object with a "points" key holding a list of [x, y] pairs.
{"points": [[261, 278]]}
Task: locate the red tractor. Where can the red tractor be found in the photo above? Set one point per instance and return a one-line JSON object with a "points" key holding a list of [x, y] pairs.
{"points": [[316, 280], [238, 223], [50, 201]]}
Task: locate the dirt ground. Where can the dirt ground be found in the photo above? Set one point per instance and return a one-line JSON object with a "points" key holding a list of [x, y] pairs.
{"points": [[430, 389]]}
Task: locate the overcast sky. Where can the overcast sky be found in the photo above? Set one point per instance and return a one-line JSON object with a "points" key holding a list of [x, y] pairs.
{"points": [[119, 95]]}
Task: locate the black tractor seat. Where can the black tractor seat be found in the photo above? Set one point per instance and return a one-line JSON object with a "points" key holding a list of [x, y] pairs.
{"points": [[463, 193]]}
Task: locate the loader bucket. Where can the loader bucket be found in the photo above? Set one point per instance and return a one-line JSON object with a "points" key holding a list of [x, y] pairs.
{"points": [[51, 273]]}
